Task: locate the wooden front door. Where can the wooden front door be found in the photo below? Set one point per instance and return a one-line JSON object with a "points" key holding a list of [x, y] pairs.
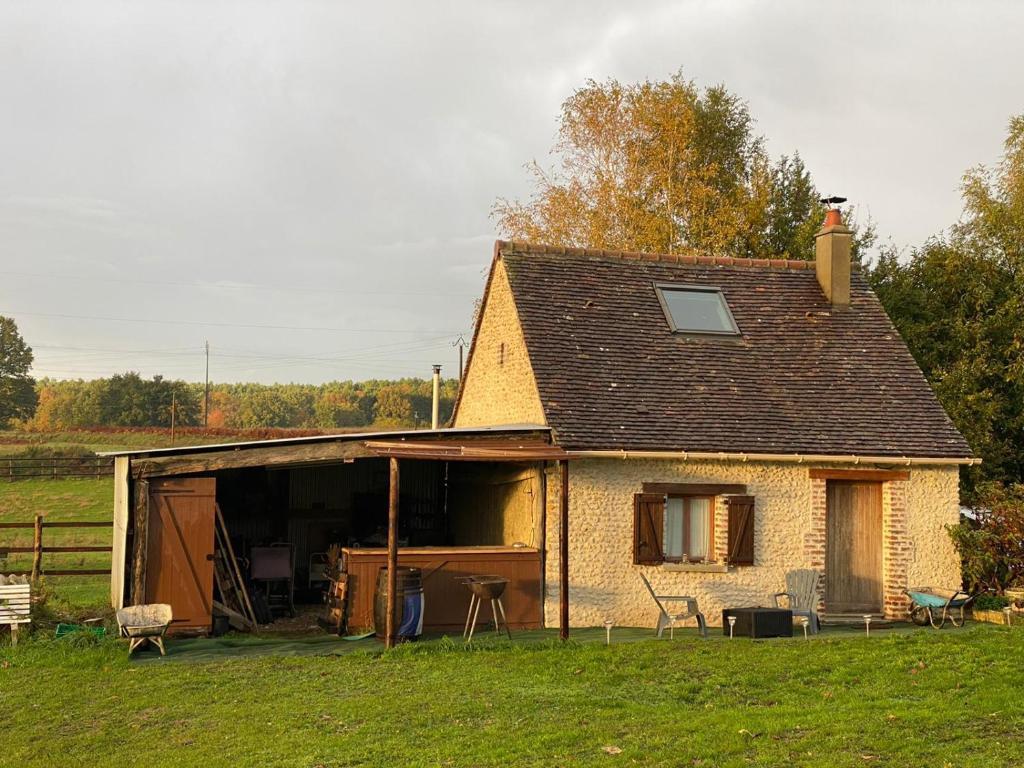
{"points": [[853, 547], [179, 564]]}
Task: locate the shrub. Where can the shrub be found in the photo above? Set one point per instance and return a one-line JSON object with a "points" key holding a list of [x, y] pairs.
{"points": [[991, 542], [991, 603]]}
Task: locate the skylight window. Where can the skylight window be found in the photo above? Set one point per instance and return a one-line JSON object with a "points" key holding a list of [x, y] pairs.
{"points": [[696, 309]]}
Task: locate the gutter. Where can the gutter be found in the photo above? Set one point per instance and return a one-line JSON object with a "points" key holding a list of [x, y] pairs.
{"points": [[792, 458]]}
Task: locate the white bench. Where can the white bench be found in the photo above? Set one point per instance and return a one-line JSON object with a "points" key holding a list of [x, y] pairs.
{"points": [[14, 605]]}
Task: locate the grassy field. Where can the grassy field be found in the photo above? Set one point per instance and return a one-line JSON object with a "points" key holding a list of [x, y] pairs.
{"points": [[60, 500], [14, 441], [927, 697]]}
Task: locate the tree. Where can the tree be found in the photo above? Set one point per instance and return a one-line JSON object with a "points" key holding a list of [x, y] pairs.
{"points": [[393, 407], [662, 167], [958, 301], [18, 398], [991, 542]]}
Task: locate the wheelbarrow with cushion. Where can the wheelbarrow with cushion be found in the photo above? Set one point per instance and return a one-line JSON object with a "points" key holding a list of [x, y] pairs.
{"points": [[144, 623]]}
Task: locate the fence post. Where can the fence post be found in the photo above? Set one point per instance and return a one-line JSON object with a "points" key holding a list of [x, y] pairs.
{"points": [[37, 550]]}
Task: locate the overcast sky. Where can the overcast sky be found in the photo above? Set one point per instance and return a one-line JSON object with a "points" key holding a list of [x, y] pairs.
{"points": [[308, 185]]}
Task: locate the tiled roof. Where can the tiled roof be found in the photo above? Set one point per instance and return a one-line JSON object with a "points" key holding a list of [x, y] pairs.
{"points": [[801, 377]]}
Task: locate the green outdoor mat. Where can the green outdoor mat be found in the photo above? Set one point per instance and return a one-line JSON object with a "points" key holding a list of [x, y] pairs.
{"points": [[206, 649], [203, 649]]}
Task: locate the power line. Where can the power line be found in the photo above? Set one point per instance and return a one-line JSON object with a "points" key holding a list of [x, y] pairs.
{"points": [[210, 324], [378, 350], [236, 286]]}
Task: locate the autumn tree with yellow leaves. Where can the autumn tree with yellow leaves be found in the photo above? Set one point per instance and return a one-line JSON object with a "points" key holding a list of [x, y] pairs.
{"points": [[665, 167]]}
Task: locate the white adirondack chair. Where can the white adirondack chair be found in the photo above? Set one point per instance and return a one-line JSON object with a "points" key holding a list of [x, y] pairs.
{"points": [[801, 596], [669, 616], [15, 603]]}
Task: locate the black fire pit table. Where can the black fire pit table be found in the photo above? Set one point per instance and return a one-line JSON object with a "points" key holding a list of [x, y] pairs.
{"points": [[758, 622]]}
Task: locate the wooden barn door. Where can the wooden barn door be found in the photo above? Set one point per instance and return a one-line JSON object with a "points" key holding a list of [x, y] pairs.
{"points": [[179, 564], [853, 547]]}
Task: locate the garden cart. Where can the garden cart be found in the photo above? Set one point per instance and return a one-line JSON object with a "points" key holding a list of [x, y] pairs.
{"points": [[935, 606]]}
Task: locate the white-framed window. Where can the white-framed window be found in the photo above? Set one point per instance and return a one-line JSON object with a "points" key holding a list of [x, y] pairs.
{"points": [[689, 528]]}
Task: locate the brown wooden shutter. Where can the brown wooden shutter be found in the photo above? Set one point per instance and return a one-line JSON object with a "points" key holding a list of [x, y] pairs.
{"points": [[648, 528], [741, 530]]}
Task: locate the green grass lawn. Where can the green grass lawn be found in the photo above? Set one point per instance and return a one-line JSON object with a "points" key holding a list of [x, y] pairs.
{"points": [[61, 500], [926, 697]]}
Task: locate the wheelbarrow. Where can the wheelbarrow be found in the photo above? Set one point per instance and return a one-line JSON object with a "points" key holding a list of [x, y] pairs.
{"points": [[935, 606], [144, 623]]}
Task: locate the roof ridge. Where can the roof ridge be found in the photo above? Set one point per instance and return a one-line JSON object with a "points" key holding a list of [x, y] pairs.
{"points": [[693, 258]]}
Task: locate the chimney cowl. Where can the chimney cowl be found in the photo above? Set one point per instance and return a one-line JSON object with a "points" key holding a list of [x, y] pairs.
{"points": [[833, 218]]}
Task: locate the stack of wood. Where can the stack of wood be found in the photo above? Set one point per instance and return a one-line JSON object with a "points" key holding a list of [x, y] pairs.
{"points": [[234, 601], [336, 595]]}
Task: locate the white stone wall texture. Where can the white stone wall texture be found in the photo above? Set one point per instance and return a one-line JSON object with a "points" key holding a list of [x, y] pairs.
{"points": [[605, 584]]}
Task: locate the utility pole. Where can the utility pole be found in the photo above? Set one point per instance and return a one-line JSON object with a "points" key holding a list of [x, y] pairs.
{"points": [[206, 401], [174, 407], [461, 344]]}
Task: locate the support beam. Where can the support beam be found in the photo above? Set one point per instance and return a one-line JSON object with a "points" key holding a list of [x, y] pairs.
{"points": [[391, 629], [563, 553], [140, 542]]}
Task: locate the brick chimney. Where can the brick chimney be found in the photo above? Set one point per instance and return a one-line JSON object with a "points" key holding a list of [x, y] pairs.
{"points": [[832, 258]]}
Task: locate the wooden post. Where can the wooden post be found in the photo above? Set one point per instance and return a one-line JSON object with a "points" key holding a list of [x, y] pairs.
{"points": [[563, 553], [37, 550], [389, 639], [141, 542]]}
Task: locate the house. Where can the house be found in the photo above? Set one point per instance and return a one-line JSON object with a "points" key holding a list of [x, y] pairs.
{"points": [[727, 421], [712, 423]]}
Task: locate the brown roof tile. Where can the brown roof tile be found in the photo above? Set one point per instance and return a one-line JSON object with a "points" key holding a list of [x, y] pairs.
{"points": [[801, 378]]}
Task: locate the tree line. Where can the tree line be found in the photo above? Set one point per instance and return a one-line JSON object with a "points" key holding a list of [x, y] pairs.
{"points": [[129, 400]]}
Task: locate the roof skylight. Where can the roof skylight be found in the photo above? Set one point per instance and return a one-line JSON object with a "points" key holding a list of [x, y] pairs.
{"points": [[696, 309]]}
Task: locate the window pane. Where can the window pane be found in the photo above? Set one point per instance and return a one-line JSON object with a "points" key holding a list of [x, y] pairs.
{"points": [[698, 310], [699, 533], [673, 528]]}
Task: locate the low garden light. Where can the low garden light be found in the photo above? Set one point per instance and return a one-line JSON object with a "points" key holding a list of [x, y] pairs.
{"points": [[867, 624], [608, 631], [804, 621], [1007, 614], [732, 623]]}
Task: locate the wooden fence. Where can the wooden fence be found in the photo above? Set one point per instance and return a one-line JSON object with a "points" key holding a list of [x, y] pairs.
{"points": [[55, 467], [38, 549]]}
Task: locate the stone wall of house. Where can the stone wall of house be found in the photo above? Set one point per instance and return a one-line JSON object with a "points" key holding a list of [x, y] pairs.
{"points": [[789, 535], [499, 386]]}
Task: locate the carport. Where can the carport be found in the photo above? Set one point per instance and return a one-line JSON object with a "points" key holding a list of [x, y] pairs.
{"points": [[457, 501]]}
